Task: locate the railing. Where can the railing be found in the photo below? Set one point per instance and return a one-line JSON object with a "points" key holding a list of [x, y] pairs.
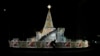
{"points": [[47, 35], [26, 44]]}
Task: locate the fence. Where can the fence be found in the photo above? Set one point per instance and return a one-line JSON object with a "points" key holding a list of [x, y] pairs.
{"points": [[29, 44]]}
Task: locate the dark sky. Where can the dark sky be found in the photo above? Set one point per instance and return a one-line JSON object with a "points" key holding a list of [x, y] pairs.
{"points": [[23, 18]]}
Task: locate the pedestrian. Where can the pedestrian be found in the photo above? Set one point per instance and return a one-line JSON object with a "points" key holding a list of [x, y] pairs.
{"points": [[53, 44]]}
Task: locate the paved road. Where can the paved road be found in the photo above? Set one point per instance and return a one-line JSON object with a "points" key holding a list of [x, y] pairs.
{"points": [[80, 51]]}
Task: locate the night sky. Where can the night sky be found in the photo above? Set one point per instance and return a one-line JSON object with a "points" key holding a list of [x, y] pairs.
{"points": [[22, 19]]}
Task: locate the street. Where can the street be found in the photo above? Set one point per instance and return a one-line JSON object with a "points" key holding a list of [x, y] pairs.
{"points": [[60, 51]]}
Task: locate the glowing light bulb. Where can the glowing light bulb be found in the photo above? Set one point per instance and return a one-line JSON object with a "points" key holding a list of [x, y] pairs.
{"points": [[49, 6], [4, 9]]}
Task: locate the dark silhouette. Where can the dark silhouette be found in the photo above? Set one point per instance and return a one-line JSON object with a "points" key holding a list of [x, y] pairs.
{"points": [[53, 44]]}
